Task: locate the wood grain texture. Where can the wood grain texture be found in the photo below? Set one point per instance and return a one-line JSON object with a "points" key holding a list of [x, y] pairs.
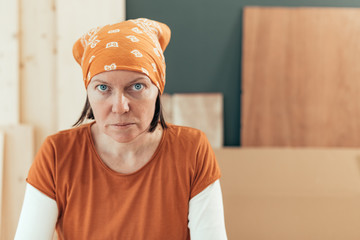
{"points": [[2, 156], [300, 78], [19, 153], [37, 75], [288, 193], [9, 63], [69, 85], [166, 103], [203, 111]]}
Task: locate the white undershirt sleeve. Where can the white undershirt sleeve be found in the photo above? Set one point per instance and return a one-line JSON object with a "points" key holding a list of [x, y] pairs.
{"points": [[38, 216], [206, 214]]}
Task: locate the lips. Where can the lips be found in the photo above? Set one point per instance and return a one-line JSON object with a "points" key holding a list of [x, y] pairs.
{"points": [[122, 125]]}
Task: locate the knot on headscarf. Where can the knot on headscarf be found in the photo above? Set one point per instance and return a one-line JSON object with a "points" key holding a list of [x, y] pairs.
{"points": [[135, 45]]}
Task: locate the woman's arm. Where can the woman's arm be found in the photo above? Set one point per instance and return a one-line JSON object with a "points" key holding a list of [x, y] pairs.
{"points": [[206, 214], [38, 216]]}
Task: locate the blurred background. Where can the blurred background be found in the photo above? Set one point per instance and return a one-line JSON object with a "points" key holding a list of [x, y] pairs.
{"points": [[274, 84]]}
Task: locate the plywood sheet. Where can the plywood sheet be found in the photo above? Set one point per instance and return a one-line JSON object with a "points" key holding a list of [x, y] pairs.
{"points": [[88, 14], [300, 77], [166, 102], [19, 153], [203, 111], [9, 62], [38, 73], [290, 193], [2, 155]]}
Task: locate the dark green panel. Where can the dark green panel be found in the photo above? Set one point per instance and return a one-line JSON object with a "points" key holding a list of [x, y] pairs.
{"points": [[204, 54]]}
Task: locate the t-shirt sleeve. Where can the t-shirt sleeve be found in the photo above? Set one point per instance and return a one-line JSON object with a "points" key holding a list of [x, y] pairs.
{"points": [[207, 170], [42, 171]]}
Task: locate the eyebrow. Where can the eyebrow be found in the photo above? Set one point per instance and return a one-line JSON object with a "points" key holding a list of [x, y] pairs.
{"points": [[132, 81], [139, 78]]}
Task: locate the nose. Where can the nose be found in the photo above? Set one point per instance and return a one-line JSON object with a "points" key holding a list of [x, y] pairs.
{"points": [[120, 104]]}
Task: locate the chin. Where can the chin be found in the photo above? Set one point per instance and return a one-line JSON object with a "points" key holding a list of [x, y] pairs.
{"points": [[125, 135], [122, 138]]}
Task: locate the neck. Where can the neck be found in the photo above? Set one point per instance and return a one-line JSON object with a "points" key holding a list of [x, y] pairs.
{"points": [[129, 151]]}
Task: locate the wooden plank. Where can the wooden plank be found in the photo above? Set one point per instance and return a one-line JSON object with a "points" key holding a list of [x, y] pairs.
{"points": [[9, 63], [300, 77], [166, 102], [288, 193], [203, 111], [19, 153], [88, 14], [2, 155], [38, 73]]}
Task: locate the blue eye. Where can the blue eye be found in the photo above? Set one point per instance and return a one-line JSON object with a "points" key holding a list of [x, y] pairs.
{"points": [[102, 87], [138, 86]]}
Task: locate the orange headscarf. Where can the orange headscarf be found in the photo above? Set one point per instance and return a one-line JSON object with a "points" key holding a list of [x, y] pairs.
{"points": [[135, 45]]}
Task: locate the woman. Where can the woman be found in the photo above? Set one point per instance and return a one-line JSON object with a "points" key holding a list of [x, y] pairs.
{"points": [[128, 174]]}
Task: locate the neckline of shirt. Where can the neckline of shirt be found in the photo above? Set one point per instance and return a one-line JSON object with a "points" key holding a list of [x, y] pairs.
{"points": [[119, 174]]}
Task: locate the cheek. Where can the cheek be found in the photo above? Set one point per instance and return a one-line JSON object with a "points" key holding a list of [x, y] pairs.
{"points": [[94, 97], [96, 110], [147, 105], [97, 105], [147, 109]]}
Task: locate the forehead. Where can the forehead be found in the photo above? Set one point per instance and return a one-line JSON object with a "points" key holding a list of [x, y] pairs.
{"points": [[120, 77]]}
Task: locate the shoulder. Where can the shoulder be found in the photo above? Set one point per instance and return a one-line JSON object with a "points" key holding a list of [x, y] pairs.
{"points": [[72, 133], [69, 138], [186, 137], [183, 132], [189, 147], [64, 147]]}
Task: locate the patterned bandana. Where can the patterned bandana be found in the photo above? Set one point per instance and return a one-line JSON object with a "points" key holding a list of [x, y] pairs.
{"points": [[134, 45]]}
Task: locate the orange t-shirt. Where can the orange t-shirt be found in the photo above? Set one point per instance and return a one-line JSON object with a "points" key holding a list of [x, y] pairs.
{"points": [[96, 202]]}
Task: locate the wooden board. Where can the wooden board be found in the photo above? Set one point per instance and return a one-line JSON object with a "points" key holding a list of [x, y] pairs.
{"points": [[38, 73], [300, 77], [203, 111], [296, 194], [2, 155], [9, 63], [88, 14], [19, 153], [166, 102]]}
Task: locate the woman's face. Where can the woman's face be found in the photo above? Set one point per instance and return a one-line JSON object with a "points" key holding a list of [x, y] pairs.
{"points": [[123, 103]]}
